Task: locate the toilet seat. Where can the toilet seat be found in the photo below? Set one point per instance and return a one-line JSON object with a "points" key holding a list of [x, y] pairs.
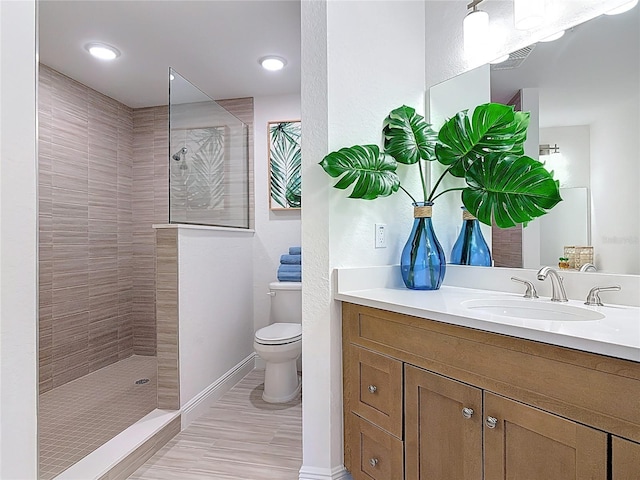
{"points": [[279, 334]]}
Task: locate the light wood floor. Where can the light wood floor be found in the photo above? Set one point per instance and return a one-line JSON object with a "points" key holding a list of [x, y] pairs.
{"points": [[240, 438]]}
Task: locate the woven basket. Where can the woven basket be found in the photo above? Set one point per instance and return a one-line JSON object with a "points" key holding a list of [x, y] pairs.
{"points": [[578, 256]]}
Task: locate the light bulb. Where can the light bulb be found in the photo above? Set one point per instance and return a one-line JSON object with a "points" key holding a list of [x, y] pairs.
{"points": [[272, 63], [475, 28], [102, 51]]}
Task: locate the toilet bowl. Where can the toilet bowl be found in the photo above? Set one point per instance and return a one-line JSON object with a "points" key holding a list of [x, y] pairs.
{"points": [[280, 343]]}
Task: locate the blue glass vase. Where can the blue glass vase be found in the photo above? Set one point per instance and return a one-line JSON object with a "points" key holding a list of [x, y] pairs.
{"points": [[470, 247], [422, 263]]}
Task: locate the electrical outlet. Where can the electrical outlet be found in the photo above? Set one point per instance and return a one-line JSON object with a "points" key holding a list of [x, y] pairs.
{"points": [[381, 235]]}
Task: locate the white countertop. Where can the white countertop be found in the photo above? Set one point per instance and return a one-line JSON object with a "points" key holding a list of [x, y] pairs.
{"points": [[616, 335]]}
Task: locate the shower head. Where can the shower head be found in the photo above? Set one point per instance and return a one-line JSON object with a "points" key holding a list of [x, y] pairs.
{"points": [[178, 155]]}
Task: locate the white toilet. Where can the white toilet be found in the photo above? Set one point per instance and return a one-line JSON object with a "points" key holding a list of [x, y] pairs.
{"points": [[280, 344]]}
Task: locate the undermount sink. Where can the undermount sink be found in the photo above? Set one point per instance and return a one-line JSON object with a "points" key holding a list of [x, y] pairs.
{"points": [[532, 309]]}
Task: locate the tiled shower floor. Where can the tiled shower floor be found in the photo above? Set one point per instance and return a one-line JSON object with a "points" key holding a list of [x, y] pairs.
{"points": [[76, 418]]}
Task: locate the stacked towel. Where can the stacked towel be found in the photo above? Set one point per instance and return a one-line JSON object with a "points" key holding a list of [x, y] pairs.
{"points": [[290, 269], [291, 259]]}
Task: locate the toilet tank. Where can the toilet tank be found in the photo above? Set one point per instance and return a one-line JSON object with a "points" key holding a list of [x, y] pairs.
{"points": [[286, 302]]}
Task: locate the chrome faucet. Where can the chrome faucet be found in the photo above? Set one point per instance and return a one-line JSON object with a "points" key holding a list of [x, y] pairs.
{"points": [[588, 267], [594, 299], [557, 288]]}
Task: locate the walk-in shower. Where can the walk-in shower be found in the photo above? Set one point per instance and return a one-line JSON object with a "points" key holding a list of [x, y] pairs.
{"points": [[96, 266]]}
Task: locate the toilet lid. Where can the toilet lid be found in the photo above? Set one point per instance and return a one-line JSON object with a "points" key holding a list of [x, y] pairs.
{"points": [[279, 333]]}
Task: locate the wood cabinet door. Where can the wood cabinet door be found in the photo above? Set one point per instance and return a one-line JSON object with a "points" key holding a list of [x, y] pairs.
{"points": [[377, 454], [530, 444], [374, 386], [441, 443], [625, 459]]}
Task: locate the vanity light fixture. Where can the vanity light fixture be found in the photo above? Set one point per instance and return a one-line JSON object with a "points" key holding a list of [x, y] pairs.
{"points": [[547, 149], [625, 7], [102, 51], [475, 28], [553, 37], [272, 63], [528, 14]]}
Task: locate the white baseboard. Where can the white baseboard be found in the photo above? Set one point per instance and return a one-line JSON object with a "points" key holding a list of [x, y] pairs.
{"points": [[314, 473], [199, 404]]}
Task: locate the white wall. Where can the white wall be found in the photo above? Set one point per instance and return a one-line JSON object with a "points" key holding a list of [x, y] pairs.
{"points": [[215, 278], [615, 223], [276, 230], [352, 77], [18, 241], [572, 165]]}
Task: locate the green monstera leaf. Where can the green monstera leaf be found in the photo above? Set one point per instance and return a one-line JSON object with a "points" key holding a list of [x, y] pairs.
{"points": [[373, 172], [512, 189], [408, 137], [491, 128]]}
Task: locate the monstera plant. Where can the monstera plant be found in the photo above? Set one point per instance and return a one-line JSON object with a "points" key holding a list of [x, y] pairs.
{"points": [[484, 147]]}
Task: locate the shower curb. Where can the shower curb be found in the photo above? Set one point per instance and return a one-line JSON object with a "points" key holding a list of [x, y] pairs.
{"points": [[126, 452]]}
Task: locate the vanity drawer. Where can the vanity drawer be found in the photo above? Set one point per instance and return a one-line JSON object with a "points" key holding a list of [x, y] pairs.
{"points": [[375, 389], [376, 454]]}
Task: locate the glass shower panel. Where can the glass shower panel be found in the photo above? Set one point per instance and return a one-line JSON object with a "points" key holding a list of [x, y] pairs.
{"points": [[208, 160]]}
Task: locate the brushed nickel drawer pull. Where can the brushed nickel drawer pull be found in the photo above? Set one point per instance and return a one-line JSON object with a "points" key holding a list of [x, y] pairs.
{"points": [[467, 412], [373, 462], [491, 422], [372, 389]]}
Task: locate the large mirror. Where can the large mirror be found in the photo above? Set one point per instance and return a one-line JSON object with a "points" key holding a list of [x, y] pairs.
{"points": [[583, 92]]}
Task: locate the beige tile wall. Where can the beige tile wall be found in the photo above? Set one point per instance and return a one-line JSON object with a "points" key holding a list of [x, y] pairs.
{"points": [[167, 318], [97, 273], [150, 206], [86, 240], [506, 246]]}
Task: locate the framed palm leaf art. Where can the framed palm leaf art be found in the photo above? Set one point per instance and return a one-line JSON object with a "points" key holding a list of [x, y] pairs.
{"points": [[285, 163]]}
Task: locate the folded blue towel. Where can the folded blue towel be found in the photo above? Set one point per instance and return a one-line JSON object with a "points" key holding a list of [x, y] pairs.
{"points": [[295, 250], [290, 268], [289, 276], [291, 259]]}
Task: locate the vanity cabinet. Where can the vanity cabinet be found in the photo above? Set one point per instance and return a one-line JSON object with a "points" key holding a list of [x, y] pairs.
{"points": [[432, 401], [625, 459]]}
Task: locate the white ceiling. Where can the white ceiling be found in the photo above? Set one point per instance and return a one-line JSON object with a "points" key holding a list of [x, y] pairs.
{"points": [[214, 44]]}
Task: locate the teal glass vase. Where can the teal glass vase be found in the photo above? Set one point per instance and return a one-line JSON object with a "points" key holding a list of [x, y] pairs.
{"points": [[422, 263], [470, 247]]}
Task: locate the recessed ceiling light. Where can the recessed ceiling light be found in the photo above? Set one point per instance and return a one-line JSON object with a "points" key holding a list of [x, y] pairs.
{"points": [[272, 63], [501, 59], [553, 37], [102, 51], [622, 8]]}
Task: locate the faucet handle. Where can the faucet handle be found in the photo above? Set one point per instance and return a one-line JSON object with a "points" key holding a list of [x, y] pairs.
{"points": [[594, 298], [531, 290]]}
